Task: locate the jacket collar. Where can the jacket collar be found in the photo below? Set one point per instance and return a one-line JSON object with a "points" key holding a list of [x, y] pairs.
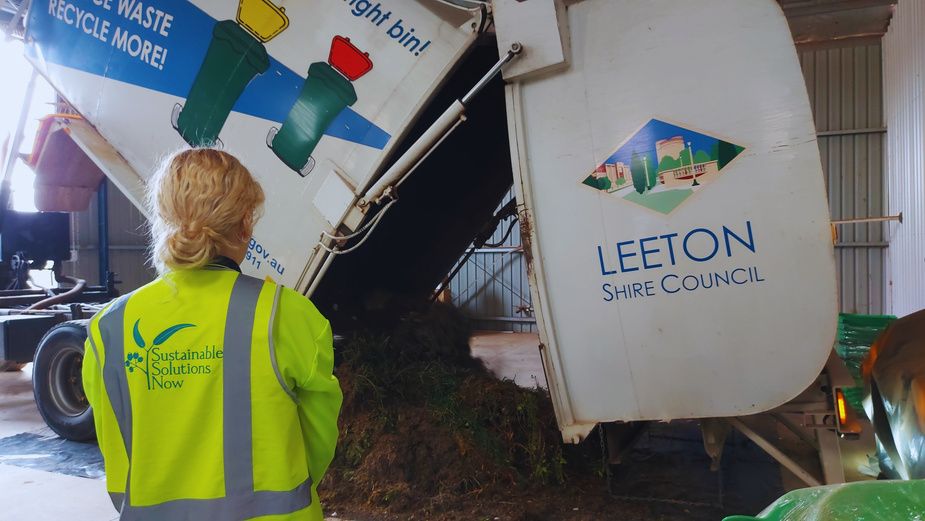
{"points": [[221, 261]]}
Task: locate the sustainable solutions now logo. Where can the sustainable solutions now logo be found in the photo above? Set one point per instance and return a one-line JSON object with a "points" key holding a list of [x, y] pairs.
{"points": [[163, 367], [661, 165]]}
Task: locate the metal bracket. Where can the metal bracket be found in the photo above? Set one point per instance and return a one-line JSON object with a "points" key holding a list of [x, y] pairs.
{"points": [[715, 431]]}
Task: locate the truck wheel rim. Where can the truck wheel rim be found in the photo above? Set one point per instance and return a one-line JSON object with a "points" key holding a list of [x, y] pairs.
{"points": [[66, 383]]}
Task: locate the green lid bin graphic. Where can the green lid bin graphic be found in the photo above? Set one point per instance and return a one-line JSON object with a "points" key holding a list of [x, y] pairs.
{"points": [[235, 56], [326, 92]]}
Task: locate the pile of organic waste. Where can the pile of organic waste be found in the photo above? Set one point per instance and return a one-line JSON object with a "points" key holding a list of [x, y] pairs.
{"points": [[426, 432]]}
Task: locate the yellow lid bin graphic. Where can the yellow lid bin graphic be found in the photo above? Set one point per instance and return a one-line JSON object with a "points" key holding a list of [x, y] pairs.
{"points": [[236, 55], [262, 19]]}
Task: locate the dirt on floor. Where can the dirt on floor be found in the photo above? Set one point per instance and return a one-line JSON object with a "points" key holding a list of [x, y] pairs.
{"points": [[427, 433]]}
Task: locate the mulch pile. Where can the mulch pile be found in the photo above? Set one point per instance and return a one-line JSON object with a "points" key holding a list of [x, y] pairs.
{"points": [[426, 432]]}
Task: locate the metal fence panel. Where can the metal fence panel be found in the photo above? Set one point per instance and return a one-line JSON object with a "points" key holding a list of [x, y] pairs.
{"points": [[492, 287]]}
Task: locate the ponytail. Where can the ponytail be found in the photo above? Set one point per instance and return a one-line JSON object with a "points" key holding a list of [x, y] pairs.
{"points": [[202, 201]]}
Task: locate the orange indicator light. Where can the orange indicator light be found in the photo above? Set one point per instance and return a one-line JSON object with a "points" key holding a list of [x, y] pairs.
{"points": [[842, 414]]}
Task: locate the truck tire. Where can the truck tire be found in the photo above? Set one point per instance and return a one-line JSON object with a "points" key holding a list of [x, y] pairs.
{"points": [[57, 382]]}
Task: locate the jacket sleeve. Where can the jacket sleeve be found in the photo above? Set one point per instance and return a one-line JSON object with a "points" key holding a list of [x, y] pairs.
{"points": [[305, 356], [107, 430]]}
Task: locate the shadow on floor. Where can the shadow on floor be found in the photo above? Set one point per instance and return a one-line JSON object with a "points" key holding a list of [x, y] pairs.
{"points": [[669, 470], [52, 454]]}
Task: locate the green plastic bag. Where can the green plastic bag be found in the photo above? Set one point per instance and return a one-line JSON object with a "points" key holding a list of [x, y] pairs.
{"points": [[856, 333], [860, 501]]}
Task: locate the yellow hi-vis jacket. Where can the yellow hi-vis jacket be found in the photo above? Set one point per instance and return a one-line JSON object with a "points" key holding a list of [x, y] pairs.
{"points": [[213, 398]]}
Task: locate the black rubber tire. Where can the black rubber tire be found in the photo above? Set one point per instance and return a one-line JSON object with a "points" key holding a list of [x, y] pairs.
{"points": [[57, 382]]}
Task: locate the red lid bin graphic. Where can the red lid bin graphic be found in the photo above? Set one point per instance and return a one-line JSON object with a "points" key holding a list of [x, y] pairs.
{"points": [[348, 60], [327, 91]]}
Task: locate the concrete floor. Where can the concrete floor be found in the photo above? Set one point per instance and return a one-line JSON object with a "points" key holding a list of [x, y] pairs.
{"points": [[31, 494], [514, 356]]}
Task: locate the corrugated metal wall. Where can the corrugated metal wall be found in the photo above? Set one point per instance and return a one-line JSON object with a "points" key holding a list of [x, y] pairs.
{"points": [[845, 91], [492, 286], [127, 243], [904, 89]]}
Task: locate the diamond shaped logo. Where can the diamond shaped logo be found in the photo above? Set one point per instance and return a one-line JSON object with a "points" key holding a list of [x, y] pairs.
{"points": [[662, 165]]}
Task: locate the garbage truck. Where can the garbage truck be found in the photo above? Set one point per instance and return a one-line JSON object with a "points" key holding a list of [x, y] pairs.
{"points": [[663, 157]]}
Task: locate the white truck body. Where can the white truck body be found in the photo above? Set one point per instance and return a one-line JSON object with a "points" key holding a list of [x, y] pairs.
{"points": [[664, 159]]}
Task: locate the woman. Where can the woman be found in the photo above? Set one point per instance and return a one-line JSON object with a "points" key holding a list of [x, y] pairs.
{"points": [[212, 391]]}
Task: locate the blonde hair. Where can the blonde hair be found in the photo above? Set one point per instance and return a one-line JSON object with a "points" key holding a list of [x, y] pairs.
{"points": [[202, 201]]}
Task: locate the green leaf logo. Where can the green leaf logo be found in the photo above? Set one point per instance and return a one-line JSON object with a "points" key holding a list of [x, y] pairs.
{"points": [[167, 333], [137, 334], [134, 360]]}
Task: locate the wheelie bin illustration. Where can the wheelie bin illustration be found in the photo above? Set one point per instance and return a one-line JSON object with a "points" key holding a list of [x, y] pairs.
{"points": [[235, 56], [327, 91]]}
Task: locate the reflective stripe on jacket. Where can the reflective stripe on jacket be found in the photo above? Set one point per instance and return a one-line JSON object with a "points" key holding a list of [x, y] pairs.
{"points": [[213, 399]]}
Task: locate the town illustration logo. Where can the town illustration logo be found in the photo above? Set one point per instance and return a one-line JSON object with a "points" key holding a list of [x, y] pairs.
{"points": [[168, 368], [662, 165]]}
